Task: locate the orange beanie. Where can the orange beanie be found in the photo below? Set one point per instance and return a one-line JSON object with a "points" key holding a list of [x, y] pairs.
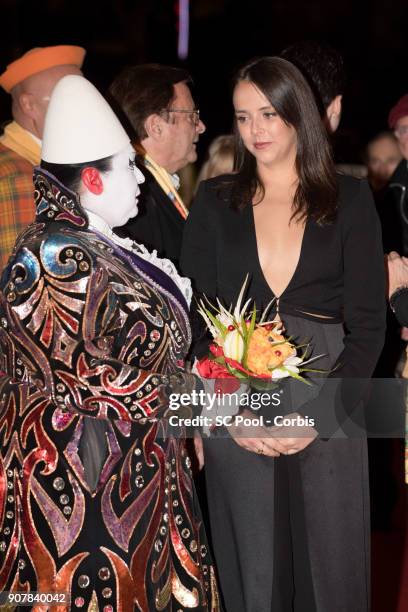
{"points": [[40, 59]]}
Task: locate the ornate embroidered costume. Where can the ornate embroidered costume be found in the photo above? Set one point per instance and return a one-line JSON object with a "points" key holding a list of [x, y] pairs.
{"points": [[90, 332]]}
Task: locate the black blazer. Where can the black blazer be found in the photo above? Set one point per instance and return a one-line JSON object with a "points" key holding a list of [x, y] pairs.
{"points": [[393, 211], [340, 273], [399, 301], [158, 224]]}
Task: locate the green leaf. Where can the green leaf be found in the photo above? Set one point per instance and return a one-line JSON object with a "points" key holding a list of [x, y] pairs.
{"points": [[279, 342], [236, 373], [250, 331], [244, 329], [296, 376]]}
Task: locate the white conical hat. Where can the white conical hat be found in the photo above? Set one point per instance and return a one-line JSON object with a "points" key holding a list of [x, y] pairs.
{"points": [[80, 126]]}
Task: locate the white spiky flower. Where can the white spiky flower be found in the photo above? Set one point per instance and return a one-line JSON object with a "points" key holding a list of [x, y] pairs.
{"points": [[211, 328], [224, 316]]}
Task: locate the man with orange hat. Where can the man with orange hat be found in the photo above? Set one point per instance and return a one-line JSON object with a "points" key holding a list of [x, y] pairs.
{"points": [[30, 81]]}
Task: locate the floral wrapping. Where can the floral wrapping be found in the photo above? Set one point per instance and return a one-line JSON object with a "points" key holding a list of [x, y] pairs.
{"points": [[89, 334]]}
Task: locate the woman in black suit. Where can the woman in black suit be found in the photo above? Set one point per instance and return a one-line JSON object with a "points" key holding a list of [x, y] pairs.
{"points": [[289, 508]]}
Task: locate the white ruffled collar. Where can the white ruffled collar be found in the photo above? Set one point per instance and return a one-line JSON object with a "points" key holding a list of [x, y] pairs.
{"points": [[184, 284]]}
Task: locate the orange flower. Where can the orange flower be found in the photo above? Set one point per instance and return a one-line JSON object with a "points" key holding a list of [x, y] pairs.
{"points": [[263, 354]]}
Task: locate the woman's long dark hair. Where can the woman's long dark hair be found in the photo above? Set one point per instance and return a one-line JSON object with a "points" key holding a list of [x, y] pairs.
{"points": [[291, 97]]}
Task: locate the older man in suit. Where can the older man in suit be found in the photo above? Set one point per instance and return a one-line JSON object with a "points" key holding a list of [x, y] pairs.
{"points": [[159, 109]]}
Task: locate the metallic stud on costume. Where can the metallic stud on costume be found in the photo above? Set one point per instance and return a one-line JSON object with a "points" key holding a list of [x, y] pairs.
{"points": [[139, 481], [58, 484], [104, 573], [83, 581]]}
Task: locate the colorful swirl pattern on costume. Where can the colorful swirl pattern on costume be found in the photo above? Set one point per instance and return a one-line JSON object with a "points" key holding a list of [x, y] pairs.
{"points": [[88, 337]]}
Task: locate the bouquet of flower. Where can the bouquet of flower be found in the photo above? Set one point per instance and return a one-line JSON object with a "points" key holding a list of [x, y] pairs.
{"points": [[248, 350]]}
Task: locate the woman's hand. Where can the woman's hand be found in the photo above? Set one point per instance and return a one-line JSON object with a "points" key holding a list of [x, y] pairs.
{"points": [[294, 438], [397, 272], [256, 439]]}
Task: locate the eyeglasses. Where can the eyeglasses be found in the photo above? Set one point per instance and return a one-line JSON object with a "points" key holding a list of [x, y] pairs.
{"points": [[193, 115], [401, 131]]}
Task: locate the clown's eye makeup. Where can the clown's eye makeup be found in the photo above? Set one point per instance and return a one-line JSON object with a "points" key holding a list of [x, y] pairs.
{"points": [[132, 164]]}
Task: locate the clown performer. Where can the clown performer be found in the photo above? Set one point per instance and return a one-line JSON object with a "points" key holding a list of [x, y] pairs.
{"points": [[96, 494]]}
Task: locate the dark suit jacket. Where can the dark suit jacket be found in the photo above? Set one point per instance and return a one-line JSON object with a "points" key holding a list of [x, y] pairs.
{"points": [[158, 224], [400, 305], [392, 205]]}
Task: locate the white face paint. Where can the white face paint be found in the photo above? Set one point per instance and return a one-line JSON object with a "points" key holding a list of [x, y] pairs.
{"points": [[121, 189], [118, 201]]}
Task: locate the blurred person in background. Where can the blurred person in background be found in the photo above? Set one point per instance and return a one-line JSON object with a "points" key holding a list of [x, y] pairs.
{"points": [[391, 205], [160, 111], [395, 204], [382, 158], [220, 158], [398, 297], [323, 68], [29, 80]]}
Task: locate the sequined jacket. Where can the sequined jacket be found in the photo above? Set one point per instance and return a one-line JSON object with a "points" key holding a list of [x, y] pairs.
{"points": [[90, 333]]}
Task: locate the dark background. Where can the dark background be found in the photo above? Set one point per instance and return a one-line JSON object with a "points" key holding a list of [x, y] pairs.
{"points": [[371, 35]]}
